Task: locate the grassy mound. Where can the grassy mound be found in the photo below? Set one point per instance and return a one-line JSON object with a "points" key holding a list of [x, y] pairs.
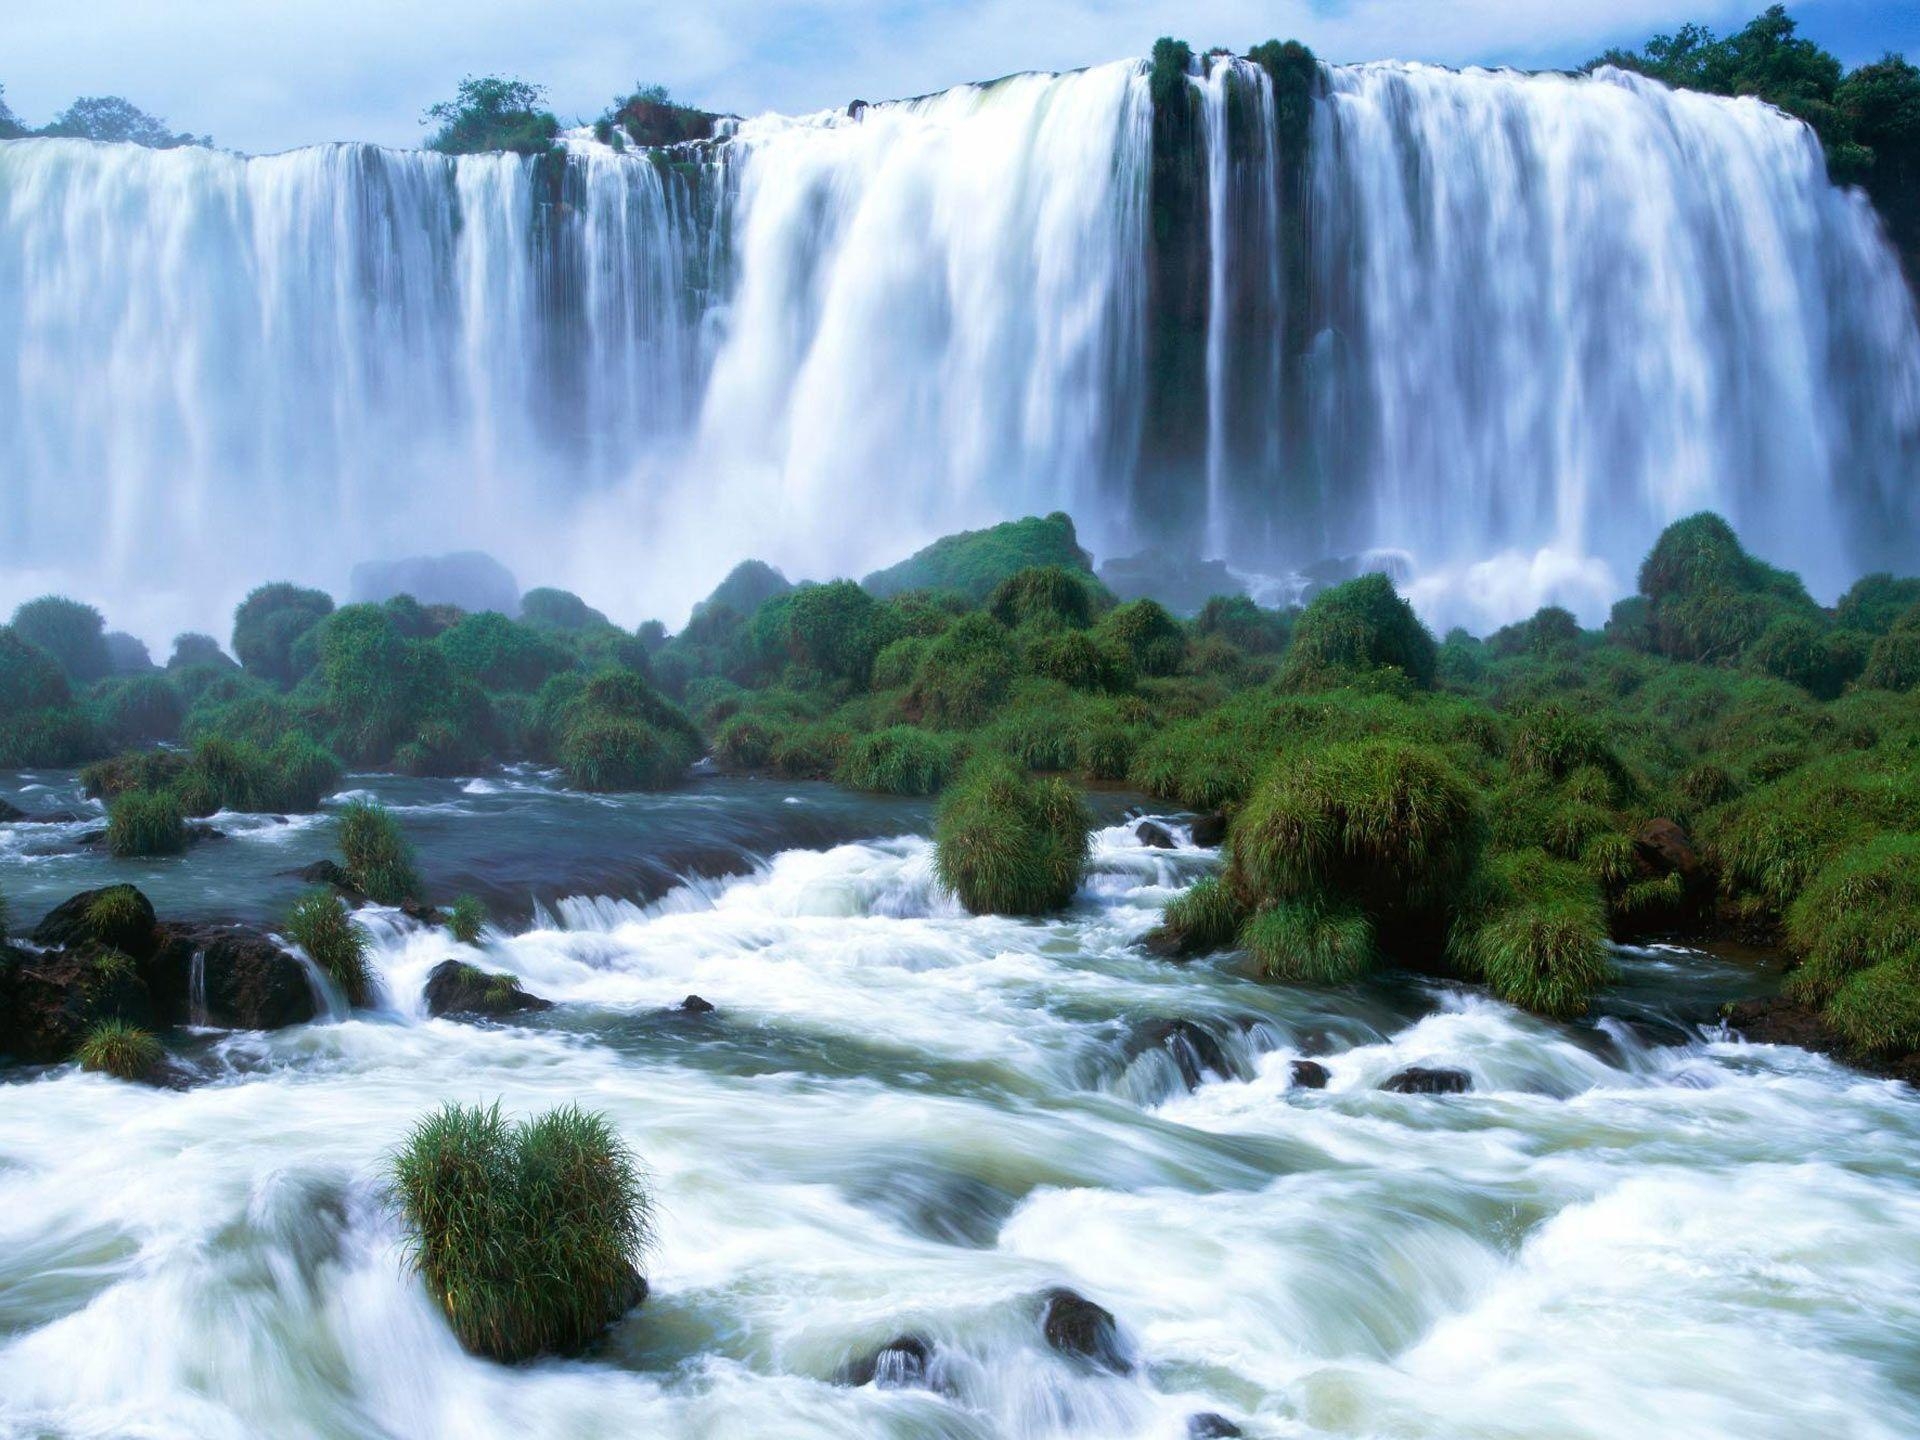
{"points": [[1307, 940], [377, 857], [900, 760], [527, 1233], [1008, 844], [1535, 930], [1359, 626], [975, 561], [319, 924], [123, 1051], [145, 822]]}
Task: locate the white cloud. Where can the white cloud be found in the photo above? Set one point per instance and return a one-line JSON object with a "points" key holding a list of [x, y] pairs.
{"points": [[264, 76]]}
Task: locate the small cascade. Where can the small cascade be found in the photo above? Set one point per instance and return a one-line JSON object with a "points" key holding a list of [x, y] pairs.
{"points": [[197, 989]]}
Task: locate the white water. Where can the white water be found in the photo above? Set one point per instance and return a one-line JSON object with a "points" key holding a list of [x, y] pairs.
{"points": [[905, 1120], [1548, 314]]}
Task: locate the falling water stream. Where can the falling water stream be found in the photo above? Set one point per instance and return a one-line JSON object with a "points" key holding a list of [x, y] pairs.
{"points": [[902, 1120]]}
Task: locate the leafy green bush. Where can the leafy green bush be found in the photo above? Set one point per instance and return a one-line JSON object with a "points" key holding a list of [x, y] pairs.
{"points": [[1150, 637], [836, 629], [965, 674], [145, 822], [899, 760], [501, 655], [527, 1234], [270, 622], [613, 731], [1875, 603], [493, 112], [1238, 619], [1008, 844], [1048, 596], [1894, 661], [1080, 660], [39, 723], [72, 633], [377, 858], [748, 586], [126, 1052], [319, 924], [137, 710], [1361, 625]]}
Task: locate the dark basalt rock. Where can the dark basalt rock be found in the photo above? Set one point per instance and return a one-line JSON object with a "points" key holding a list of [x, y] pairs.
{"points": [[1074, 1325], [694, 1005], [9, 814], [900, 1364], [58, 817], [1154, 836], [1211, 1426], [1209, 831], [1424, 1080], [421, 911], [457, 988], [1778, 1020], [250, 982], [1664, 848], [71, 923], [49, 1002], [326, 872], [1194, 1050], [1309, 1074]]}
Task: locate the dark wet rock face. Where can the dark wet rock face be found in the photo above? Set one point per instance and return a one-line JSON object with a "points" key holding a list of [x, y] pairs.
{"points": [[247, 981], [1309, 1074], [1778, 1020], [1665, 848], [1075, 1326], [49, 1002], [1211, 1426], [327, 872], [1195, 1051], [457, 988], [118, 916], [1209, 830], [694, 1005], [1154, 835], [9, 814], [1424, 1080], [901, 1364]]}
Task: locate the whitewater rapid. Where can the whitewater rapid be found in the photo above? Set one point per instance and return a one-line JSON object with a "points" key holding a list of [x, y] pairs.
{"points": [[903, 1120], [1539, 316]]}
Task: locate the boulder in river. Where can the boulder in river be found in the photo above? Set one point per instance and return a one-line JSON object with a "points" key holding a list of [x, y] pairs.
{"points": [[1074, 1325], [1208, 1425], [695, 1005], [457, 988], [900, 1364], [1429, 1080], [1309, 1074], [48, 1002], [328, 872], [118, 916], [1209, 831], [1154, 835], [246, 981], [1666, 849], [1194, 1050]]}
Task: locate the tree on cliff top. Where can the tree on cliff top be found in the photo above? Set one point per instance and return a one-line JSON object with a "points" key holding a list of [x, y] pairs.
{"points": [[492, 112]]}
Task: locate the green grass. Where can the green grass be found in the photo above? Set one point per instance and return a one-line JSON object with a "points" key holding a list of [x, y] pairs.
{"points": [[1534, 928], [1010, 844], [528, 1234], [145, 822], [376, 855], [1311, 941], [900, 760], [466, 918], [123, 1051], [1361, 625], [320, 925]]}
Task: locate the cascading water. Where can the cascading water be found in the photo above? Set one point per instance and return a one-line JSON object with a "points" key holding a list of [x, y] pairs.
{"points": [[1509, 324]]}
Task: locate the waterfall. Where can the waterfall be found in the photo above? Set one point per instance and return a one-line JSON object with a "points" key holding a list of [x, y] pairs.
{"points": [[197, 989], [1506, 324]]}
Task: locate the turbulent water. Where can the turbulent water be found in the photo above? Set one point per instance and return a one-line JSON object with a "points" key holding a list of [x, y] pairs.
{"points": [[1538, 317], [902, 1120]]}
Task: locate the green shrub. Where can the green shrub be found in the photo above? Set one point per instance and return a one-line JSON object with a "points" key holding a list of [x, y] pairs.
{"points": [[319, 924], [1037, 727], [1858, 911], [39, 723], [1875, 603], [493, 112], [126, 1052], [1309, 940], [1361, 625], [965, 675], [1894, 662], [145, 822], [975, 561], [1206, 916], [836, 629], [546, 608], [1387, 824], [1150, 637], [294, 776], [72, 633], [1802, 652], [617, 752], [1701, 555], [377, 858], [1167, 74], [1008, 844], [1535, 930], [134, 770], [194, 651], [748, 586], [527, 1234], [1236, 618], [1078, 659], [501, 655], [1550, 634], [270, 622], [1553, 741], [899, 661], [1047, 596], [899, 760], [136, 710], [466, 918]]}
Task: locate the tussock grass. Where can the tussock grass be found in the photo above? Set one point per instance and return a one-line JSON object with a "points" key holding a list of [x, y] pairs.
{"points": [[900, 760], [466, 918], [1534, 928], [377, 857], [145, 822], [1310, 941], [320, 925], [123, 1051], [1008, 844]]}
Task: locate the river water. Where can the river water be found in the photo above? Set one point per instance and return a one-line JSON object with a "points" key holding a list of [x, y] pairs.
{"points": [[903, 1120]]}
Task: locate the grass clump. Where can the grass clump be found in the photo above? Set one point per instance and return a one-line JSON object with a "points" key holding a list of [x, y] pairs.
{"points": [[1204, 917], [528, 1234], [1361, 625], [320, 925], [1009, 844], [900, 760], [466, 918], [377, 857], [1535, 929], [145, 822], [973, 562], [126, 1052], [1309, 940]]}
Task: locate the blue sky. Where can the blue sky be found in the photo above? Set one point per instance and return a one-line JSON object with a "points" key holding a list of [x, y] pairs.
{"points": [[264, 75]]}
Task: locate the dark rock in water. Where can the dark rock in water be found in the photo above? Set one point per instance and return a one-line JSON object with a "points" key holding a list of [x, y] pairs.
{"points": [[421, 911], [118, 916], [1166, 943], [1778, 1020], [1194, 1050], [468, 579], [1309, 1074], [1154, 835], [1666, 849], [247, 981], [49, 1002], [1209, 830], [1074, 1325], [328, 872], [694, 1005], [10, 813], [1422, 1080], [900, 1364], [457, 988], [59, 817], [1210, 1426]]}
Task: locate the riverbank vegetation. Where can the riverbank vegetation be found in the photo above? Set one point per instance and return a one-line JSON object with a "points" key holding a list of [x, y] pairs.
{"points": [[1723, 756]]}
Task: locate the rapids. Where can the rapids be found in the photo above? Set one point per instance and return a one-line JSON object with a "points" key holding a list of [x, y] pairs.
{"points": [[904, 1120]]}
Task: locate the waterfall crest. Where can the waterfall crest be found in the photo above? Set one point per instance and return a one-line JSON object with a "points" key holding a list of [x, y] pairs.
{"points": [[1509, 324]]}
